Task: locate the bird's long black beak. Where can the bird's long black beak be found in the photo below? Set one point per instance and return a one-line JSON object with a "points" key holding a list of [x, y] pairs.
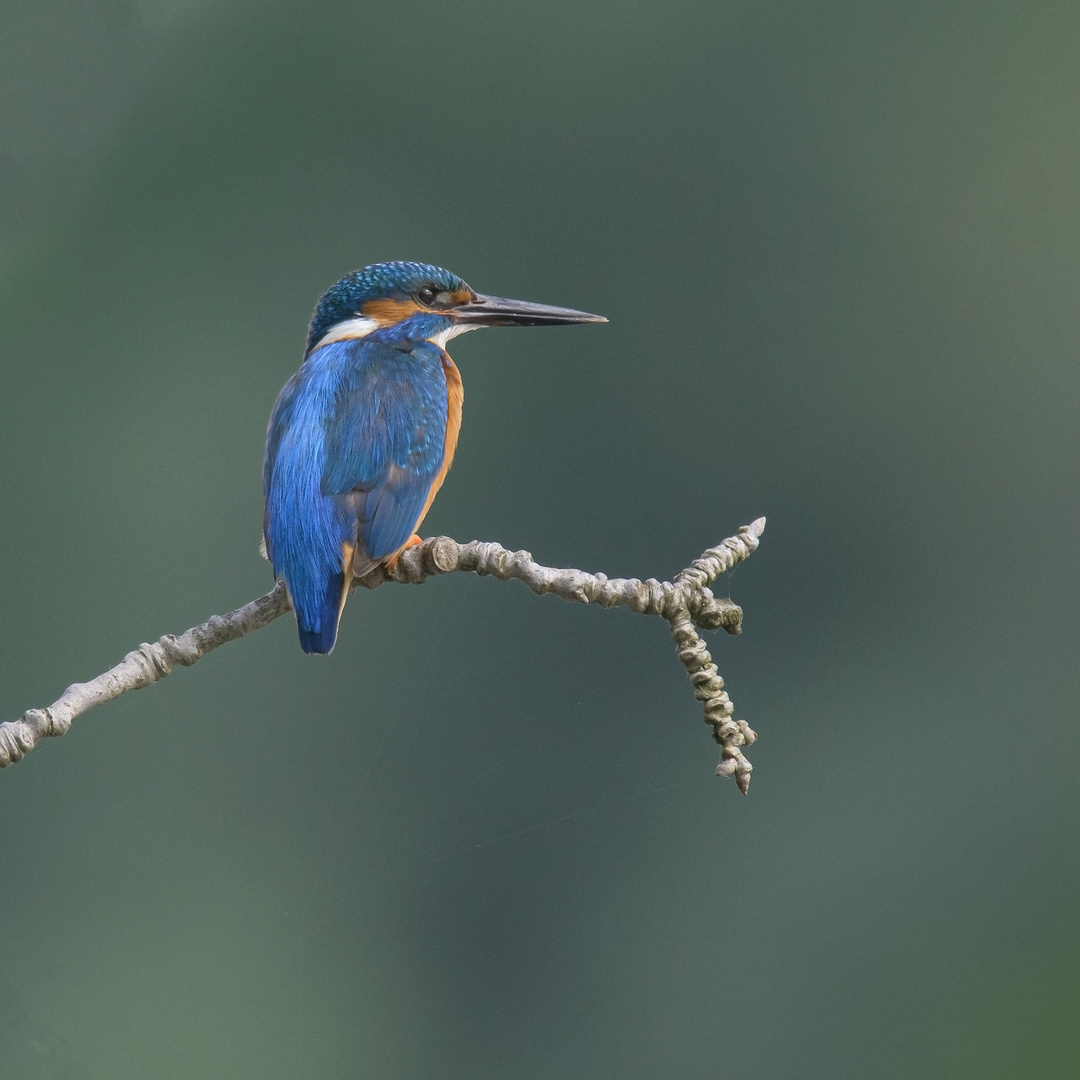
{"points": [[498, 311]]}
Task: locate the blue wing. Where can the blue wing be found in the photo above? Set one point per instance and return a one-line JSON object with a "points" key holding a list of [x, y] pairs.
{"points": [[355, 441], [386, 440]]}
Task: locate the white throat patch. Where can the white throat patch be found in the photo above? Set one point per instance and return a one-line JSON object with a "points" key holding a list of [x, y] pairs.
{"points": [[456, 330]]}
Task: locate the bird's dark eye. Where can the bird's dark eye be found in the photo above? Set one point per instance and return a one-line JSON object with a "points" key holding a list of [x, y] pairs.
{"points": [[426, 294]]}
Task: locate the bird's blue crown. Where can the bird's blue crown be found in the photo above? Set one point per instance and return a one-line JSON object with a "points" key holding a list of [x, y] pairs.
{"points": [[379, 281]]}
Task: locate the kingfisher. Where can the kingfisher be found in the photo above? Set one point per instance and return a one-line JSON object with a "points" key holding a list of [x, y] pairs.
{"points": [[362, 436]]}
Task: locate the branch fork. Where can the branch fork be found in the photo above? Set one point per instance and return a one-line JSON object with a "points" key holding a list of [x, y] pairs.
{"points": [[687, 604]]}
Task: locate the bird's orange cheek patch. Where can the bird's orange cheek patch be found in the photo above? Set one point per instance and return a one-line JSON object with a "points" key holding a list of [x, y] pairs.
{"points": [[388, 312]]}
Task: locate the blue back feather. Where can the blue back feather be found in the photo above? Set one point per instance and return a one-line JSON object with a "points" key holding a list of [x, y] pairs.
{"points": [[356, 438]]}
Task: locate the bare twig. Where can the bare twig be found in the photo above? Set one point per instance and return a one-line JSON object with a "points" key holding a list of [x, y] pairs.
{"points": [[685, 603]]}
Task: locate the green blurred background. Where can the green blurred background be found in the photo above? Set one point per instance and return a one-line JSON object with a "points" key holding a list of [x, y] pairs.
{"points": [[839, 245]]}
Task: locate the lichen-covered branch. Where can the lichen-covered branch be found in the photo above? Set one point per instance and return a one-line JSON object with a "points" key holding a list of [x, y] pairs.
{"points": [[686, 603], [140, 668]]}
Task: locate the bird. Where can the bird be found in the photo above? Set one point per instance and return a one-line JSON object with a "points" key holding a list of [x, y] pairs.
{"points": [[361, 437]]}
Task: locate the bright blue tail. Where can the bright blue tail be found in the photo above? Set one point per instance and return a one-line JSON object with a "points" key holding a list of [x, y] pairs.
{"points": [[321, 639]]}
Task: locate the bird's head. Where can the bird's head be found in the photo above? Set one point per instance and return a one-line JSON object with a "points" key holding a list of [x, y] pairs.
{"points": [[417, 302]]}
